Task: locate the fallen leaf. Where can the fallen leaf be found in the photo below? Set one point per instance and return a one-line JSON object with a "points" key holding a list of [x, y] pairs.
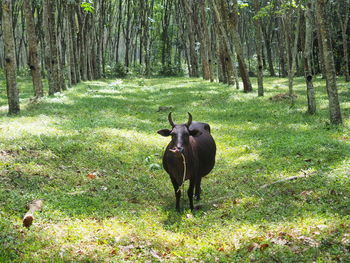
{"points": [[221, 249], [252, 247], [264, 246], [91, 176]]}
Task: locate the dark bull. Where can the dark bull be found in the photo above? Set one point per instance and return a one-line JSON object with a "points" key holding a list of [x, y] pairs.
{"points": [[190, 155]]}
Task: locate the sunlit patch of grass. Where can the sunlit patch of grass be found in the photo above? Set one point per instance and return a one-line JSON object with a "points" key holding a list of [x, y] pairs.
{"points": [[22, 127], [93, 155]]}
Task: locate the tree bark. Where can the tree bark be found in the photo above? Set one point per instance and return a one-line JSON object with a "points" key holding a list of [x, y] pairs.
{"points": [[10, 58], [75, 49], [228, 70], [292, 47], [311, 101], [34, 60], [191, 35], [344, 26], [206, 42], [72, 48], [268, 35], [247, 86], [120, 16], [51, 52], [331, 81], [259, 50]]}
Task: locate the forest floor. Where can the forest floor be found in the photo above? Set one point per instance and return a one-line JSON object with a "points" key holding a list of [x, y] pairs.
{"points": [[93, 155]]}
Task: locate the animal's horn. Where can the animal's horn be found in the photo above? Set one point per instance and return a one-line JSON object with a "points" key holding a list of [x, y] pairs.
{"points": [[189, 119], [171, 120]]}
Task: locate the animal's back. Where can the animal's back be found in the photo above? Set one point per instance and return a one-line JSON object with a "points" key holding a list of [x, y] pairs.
{"points": [[202, 126], [205, 147]]}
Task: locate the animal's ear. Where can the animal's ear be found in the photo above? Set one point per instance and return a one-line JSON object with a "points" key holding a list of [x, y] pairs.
{"points": [[195, 133], [164, 132]]}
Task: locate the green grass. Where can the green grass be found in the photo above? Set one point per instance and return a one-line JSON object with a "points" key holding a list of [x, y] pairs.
{"points": [[127, 213]]}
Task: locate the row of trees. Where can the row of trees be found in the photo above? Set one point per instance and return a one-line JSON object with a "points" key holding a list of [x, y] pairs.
{"points": [[69, 40]]}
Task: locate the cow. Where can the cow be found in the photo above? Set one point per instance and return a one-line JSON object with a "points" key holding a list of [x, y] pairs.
{"points": [[190, 155]]}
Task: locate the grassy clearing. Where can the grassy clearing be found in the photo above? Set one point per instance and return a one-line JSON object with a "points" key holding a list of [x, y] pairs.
{"points": [[125, 210]]}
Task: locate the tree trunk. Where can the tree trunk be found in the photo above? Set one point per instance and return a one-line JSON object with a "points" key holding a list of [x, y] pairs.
{"points": [[70, 38], [331, 81], [200, 28], [191, 35], [311, 101], [233, 15], [100, 39], [10, 58], [344, 27], [34, 60], [259, 50], [321, 61], [51, 52], [282, 54], [120, 13], [228, 72], [292, 47], [206, 41], [48, 65], [75, 49]]}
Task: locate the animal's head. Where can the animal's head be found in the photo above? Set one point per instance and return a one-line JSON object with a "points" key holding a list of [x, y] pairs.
{"points": [[180, 134]]}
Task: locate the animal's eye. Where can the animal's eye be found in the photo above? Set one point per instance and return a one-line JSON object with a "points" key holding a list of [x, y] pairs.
{"points": [[172, 133]]}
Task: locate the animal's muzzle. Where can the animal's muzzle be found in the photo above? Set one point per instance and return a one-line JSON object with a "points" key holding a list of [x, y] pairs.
{"points": [[177, 149]]}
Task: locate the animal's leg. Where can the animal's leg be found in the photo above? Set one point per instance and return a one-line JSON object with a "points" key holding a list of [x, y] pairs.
{"points": [[177, 193], [190, 193], [198, 188]]}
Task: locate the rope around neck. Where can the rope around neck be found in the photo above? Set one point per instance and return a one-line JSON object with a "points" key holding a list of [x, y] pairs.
{"points": [[184, 177]]}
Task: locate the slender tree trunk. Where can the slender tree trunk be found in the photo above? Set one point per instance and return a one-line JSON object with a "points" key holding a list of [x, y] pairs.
{"points": [[100, 37], [311, 101], [61, 44], [191, 34], [82, 17], [344, 26], [51, 42], [200, 30], [321, 60], [268, 35], [331, 81], [292, 48], [227, 72], [282, 54], [68, 53], [34, 60], [259, 50], [75, 49], [72, 50], [247, 86], [10, 58], [48, 64], [127, 34], [120, 13]]}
